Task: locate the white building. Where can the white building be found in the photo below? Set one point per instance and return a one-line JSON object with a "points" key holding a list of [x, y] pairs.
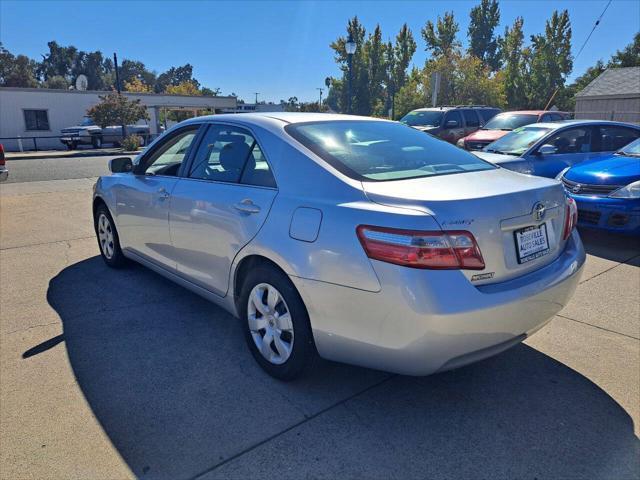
{"points": [[42, 113]]}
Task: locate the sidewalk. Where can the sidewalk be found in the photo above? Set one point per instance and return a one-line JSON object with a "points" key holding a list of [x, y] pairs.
{"points": [[90, 152]]}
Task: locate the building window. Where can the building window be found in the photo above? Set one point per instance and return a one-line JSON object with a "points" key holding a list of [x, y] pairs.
{"points": [[36, 119]]}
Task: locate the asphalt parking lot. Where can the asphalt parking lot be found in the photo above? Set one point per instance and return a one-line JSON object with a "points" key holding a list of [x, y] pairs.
{"points": [[117, 374]]}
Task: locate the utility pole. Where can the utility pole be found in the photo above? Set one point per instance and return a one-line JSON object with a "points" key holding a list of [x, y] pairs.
{"points": [[115, 64], [256, 94], [320, 102]]}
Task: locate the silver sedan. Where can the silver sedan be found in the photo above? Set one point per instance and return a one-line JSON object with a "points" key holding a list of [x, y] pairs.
{"points": [[361, 240]]}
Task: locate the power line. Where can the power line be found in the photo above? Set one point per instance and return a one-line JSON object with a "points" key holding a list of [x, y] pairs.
{"points": [[592, 30], [581, 48]]}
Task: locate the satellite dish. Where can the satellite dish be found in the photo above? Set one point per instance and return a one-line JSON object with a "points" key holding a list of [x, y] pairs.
{"points": [[82, 82]]}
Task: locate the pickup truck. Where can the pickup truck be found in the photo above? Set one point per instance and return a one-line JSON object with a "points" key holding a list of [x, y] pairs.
{"points": [[88, 133]]}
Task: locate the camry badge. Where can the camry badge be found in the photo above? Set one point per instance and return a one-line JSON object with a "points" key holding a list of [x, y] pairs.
{"points": [[538, 211]]}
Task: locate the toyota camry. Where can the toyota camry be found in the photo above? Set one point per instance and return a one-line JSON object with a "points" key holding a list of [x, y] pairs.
{"points": [[356, 239]]}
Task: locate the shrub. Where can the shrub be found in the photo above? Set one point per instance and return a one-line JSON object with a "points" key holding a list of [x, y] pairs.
{"points": [[130, 143]]}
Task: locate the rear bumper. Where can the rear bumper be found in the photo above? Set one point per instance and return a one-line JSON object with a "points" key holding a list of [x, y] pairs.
{"points": [[611, 214], [424, 321]]}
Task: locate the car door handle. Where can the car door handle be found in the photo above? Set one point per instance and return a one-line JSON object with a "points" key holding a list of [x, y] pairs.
{"points": [[162, 192], [246, 206]]}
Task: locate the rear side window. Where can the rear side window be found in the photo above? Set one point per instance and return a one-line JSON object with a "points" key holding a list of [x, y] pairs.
{"points": [[381, 151], [612, 138], [471, 118]]}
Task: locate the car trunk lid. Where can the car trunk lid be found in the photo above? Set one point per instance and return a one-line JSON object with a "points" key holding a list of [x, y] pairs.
{"points": [[494, 205]]}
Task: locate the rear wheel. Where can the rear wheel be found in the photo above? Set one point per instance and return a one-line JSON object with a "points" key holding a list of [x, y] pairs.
{"points": [[276, 323], [108, 240]]}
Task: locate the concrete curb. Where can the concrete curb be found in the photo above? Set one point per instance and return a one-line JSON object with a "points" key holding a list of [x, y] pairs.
{"points": [[66, 154]]}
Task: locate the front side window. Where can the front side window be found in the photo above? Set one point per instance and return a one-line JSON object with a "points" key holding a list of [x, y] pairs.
{"points": [[231, 154], [613, 138], [510, 121], [423, 118], [36, 119], [518, 141], [471, 118], [571, 140], [166, 160], [380, 151]]}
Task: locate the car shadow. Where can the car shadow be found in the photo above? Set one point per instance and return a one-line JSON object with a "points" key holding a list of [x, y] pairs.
{"points": [[610, 246], [172, 384]]}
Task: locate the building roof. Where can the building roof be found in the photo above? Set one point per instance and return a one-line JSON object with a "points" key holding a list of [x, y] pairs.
{"points": [[614, 81]]}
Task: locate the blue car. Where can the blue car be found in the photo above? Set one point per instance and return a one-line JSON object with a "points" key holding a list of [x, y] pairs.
{"points": [[607, 191], [545, 149]]}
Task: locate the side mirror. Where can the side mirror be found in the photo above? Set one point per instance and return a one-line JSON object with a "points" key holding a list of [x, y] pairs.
{"points": [[451, 124], [120, 165], [547, 150]]}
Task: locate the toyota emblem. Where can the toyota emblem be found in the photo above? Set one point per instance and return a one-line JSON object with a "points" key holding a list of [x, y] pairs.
{"points": [[576, 189], [538, 211]]}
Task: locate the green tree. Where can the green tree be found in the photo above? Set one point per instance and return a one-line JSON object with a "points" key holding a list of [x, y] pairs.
{"points": [[133, 69], [185, 88], [210, 92], [514, 70], [411, 95], [483, 43], [360, 95], [629, 56], [117, 109], [403, 52], [175, 76], [550, 60], [57, 82], [441, 38], [58, 62], [376, 70], [17, 71]]}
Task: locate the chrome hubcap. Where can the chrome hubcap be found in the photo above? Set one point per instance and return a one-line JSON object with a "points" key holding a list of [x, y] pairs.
{"points": [[105, 236], [270, 323]]}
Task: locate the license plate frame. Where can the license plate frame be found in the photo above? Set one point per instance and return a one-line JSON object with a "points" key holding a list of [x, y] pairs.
{"points": [[536, 251]]}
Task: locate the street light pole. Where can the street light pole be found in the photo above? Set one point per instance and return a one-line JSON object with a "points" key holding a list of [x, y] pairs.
{"points": [[350, 47], [256, 93]]}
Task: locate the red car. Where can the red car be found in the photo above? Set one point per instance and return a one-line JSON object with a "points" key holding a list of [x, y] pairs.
{"points": [[503, 123]]}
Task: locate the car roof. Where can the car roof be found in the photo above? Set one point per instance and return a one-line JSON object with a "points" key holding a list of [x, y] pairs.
{"points": [[445, 108], [280, 117]]}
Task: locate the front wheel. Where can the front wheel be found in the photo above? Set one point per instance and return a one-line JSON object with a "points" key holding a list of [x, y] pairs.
{"points": [[276, 323], [108, 239]]}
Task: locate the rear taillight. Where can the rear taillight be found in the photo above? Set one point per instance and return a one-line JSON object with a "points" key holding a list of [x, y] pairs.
{"points": [[570, 218], [2, 161], [453, 249]]}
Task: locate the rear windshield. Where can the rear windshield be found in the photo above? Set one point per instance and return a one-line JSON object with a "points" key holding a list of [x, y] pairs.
{"points": [[423, 118], [378, 151], [510, 121]]}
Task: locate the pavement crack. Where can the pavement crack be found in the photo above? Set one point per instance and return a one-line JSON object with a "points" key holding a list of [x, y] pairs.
{"points": [[46, 243], [292, 427], [624, 262], [596, 326], [21, 330]]}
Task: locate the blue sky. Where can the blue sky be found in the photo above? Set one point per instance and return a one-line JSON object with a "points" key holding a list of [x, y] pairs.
{"points": [[278, 48]]}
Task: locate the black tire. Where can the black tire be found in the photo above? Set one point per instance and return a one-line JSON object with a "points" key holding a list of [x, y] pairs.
{"points": [[70, 145], [117, 258], [303, 352], [96, 142]]}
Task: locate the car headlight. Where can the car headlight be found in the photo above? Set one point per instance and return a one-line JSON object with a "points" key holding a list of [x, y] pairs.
{"points": [[460, 143], [561, 174], [630, 191]]}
